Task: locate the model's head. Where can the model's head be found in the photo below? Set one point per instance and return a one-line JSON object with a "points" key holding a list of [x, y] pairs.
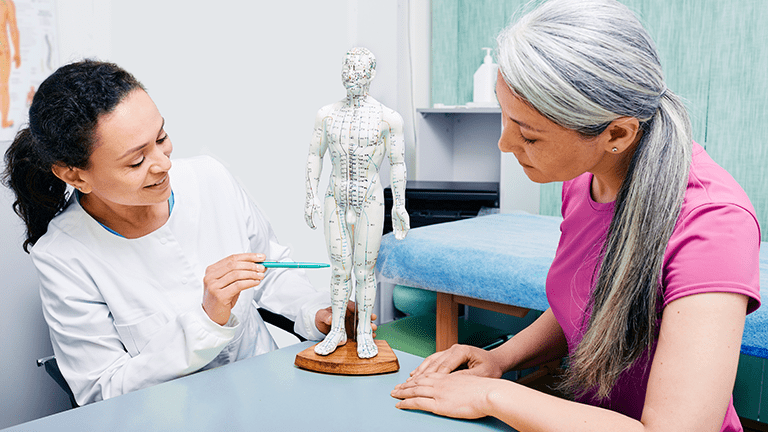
{"points": [[358, 70], [63, 119], [582, 64]]}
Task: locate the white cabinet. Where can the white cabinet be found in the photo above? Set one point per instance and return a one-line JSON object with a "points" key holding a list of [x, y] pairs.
{"points": [[461, 144]]}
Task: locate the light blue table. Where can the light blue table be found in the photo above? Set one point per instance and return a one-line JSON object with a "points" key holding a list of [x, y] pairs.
{"points": [[264, 393]]}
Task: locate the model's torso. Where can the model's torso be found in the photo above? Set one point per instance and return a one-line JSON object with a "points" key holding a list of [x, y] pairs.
{"points": [[357, 149]]}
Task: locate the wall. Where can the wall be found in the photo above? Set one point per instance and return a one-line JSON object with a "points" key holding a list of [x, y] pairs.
{"points": [[251, 104], [26, 390], [240, 81]]}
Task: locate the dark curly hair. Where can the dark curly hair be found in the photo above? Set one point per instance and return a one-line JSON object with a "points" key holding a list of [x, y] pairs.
{"points": [[62, 120]]}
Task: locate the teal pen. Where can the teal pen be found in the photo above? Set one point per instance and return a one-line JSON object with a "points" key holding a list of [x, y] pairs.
{"points": [[289, 264]]}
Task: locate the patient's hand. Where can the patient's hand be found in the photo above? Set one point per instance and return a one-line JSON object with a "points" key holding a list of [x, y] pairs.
{"points": [[478, 362]]}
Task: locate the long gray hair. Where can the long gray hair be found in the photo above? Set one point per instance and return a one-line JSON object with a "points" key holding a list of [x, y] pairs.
{"points": [[583, 64]]}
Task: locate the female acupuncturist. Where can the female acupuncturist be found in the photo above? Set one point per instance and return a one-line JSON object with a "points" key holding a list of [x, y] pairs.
{"points": [[145, 270], [657, 263]]}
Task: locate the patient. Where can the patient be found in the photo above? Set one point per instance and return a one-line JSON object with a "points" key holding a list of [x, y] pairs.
{"points": [[657, 263], [149, 270]]}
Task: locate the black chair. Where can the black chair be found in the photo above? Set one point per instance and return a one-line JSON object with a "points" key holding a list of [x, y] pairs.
{"points": [[280, 322], [53, 370]]}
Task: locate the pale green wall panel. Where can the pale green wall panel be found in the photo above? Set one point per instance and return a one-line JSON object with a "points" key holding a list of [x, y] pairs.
{"points": [[551, 199], [714, 54], [445, 59], [460, 29], [738, 108], [681, 31], [479, 23]]}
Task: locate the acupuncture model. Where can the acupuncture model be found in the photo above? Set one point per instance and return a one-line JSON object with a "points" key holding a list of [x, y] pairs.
{"points": [[359, 133]]}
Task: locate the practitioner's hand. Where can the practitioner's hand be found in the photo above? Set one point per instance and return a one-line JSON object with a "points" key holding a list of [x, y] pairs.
{"points": [[224, 281], [452, 395], [478, 362], [401, 222], [324, 318], [313, 210]]}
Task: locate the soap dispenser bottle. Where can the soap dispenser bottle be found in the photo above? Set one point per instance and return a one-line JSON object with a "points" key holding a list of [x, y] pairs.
{"points": [[485, 82]]}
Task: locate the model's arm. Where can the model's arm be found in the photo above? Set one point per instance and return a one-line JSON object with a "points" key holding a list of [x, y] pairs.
{"points": [[313, 210], [392, 129], [691, 380]]}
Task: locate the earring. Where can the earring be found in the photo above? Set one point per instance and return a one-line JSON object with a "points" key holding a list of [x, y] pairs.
{"points": [[614, 149]]}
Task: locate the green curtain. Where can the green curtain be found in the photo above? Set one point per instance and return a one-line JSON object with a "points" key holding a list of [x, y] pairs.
{"points": [[714, 54], [460, 29]]}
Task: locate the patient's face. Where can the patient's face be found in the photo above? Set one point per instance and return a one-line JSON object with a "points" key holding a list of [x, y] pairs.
{"points": [[547, 151]]}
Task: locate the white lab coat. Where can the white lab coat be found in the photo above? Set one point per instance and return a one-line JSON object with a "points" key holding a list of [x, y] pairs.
{"points": [[125, 314]]}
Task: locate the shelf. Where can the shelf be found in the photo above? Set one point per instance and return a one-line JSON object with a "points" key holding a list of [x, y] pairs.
{"points": [[459, 110], [461, 144]]}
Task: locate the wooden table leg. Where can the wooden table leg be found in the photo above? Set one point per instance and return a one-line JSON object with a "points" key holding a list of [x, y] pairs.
{"points": [[447, 325]]}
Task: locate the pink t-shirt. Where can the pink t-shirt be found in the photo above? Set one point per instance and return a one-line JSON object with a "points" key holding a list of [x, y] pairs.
{"points": [[714, 247]]}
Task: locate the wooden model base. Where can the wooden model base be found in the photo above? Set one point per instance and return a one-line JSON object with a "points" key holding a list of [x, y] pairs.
{"points": [[344, 361]]}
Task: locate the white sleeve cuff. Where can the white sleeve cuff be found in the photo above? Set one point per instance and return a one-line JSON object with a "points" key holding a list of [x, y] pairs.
{"points": [[305, 320], [227, 331]]}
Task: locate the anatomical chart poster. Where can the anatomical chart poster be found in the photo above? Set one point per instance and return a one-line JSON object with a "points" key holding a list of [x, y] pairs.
{"points": [[28, 54]]}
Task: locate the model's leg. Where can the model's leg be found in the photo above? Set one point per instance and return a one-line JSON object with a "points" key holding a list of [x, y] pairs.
{"points": [[367, 242], [338, 240]]}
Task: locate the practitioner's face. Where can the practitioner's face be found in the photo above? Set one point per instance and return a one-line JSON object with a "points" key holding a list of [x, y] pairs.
{"points": [[357, 73], [131, 157], [546, 151]]}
